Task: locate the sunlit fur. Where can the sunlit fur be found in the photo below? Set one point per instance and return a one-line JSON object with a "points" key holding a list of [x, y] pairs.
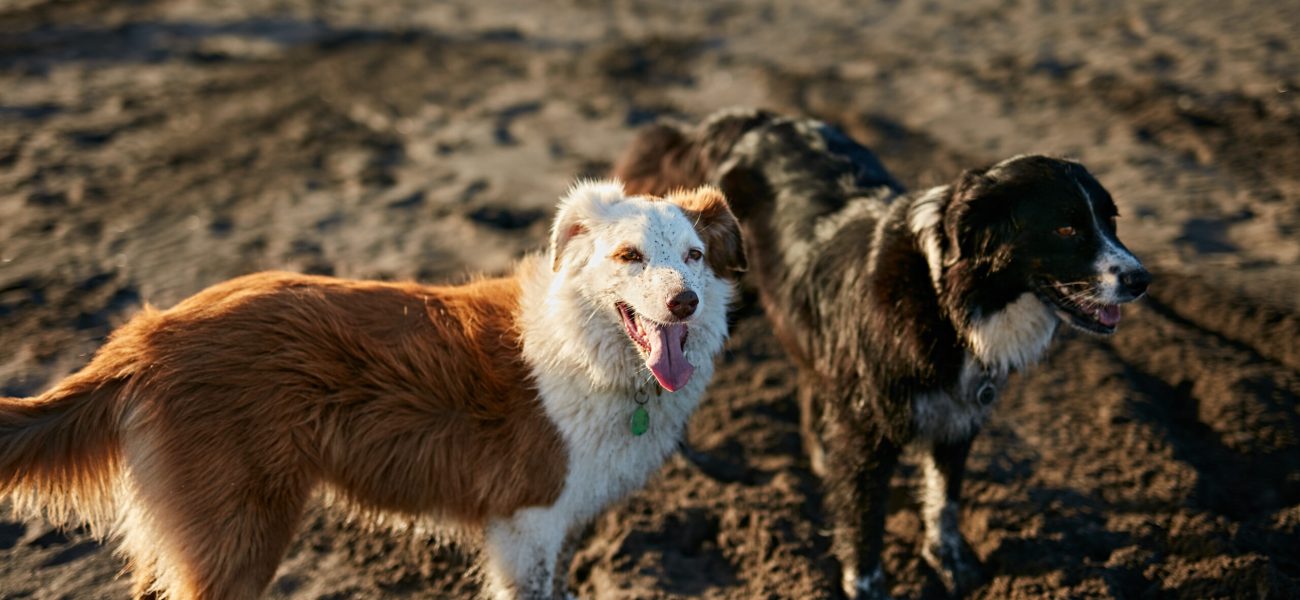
{"points": [[590, 392], [497, 408]]}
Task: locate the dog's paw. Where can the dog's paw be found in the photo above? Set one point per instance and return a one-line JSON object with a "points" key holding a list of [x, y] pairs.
{"points": [[956, 565], [866, 587]]}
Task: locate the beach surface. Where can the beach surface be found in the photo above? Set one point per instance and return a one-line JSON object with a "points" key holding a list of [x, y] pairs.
{"points": [[151, 148]]}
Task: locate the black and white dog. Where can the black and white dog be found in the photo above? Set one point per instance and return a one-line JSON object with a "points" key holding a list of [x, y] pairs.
{"points": [[904, 311]]}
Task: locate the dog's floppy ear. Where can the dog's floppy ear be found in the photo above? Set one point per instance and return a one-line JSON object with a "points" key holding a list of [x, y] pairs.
{"points": [[585, 202], [707, 208], [978, 221]]}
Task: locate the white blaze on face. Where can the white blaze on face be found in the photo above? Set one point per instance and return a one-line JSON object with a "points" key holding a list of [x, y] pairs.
{"points": [[662, 236], [1113, 260]]}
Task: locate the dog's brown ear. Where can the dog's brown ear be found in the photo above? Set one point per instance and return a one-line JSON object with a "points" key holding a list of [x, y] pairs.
{"points": [[586, 200], [707, 208], [660, 158]]}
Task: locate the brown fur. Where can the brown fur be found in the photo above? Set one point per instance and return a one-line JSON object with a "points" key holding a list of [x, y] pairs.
{"points": [[707, 208], [663, 158], [205, 428]]}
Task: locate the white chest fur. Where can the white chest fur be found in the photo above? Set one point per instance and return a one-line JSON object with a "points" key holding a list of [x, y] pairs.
{"points": [[588, 376], [1010, 339], [606, 460], [1014, 337]]}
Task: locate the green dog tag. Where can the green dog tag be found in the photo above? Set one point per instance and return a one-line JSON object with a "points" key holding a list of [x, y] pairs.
{"points": [[640, 421]]}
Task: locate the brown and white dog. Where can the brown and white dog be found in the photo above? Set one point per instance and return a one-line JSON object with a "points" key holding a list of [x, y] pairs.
{"points": [[501, 408]]}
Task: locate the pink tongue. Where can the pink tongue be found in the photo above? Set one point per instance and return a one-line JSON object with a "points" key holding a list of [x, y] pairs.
{"points": [[666, 360], [1109, 315]]}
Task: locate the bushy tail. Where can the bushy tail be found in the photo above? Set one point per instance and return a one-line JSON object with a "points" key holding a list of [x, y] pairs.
{"points": [[60, 451]]}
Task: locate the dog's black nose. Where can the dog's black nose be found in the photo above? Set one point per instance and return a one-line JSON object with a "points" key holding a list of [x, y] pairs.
{"points": [[1136, 281], [683, 305]]}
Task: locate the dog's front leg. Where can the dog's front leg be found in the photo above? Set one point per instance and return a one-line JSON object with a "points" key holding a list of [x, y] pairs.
{"points": [[859, 463], [520, 555], [568, 549], [810, 423], [944, 548]]}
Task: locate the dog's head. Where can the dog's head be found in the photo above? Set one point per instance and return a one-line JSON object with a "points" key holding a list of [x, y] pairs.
{"points": [[651, 267], [1045, 225]]}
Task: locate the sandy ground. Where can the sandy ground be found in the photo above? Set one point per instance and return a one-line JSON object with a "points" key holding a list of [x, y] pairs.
{"points": [[151, 148]]}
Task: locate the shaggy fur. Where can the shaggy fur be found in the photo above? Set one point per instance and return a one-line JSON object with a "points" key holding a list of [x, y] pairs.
{"points": [[904, 311], [197, 434]]}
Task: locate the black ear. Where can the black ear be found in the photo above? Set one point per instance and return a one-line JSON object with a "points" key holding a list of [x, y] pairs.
{"points": [[978, 221], [744, 188]]}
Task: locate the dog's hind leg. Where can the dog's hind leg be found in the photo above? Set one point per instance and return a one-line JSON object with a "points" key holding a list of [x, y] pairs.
{"points": [[944, 549], [231, 550], [859, 463], [204, 519]]}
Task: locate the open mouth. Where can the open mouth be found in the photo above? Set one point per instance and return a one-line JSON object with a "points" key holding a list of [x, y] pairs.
{"points": [[663, 345], [1081, 311]]}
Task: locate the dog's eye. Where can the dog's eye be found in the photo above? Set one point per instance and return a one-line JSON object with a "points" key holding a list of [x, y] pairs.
{"points": [[629, 255], [694, 254], [1066, 232]]}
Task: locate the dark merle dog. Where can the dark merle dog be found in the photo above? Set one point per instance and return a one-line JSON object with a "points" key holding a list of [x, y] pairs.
{"points": [[904, 311]]}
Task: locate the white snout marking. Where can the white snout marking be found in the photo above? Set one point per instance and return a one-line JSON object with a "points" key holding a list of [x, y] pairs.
{"points": [[668, 281], [1112, 259]]}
